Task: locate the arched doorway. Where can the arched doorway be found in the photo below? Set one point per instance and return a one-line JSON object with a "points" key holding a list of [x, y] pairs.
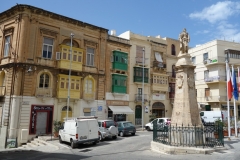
{"points": [[64, 112], [138, 115], [158, 109]]}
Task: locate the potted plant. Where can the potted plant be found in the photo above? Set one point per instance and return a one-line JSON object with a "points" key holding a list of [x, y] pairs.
{"points": [[225, 128], [218, 123], [56, 125]]}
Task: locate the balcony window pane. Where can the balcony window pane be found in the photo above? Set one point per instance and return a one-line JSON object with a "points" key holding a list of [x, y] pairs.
{"points": [[64, 55]]}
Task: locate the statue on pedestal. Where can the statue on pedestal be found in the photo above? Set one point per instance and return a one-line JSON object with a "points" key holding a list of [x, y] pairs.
{"points": [[184, 39]]}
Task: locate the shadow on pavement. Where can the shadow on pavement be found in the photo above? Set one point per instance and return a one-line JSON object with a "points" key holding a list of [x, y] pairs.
{"points": [[36, 155]]}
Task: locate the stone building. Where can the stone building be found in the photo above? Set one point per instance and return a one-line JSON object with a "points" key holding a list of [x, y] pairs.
{"points": [[210, 73], [152, 60], [35, 50]]}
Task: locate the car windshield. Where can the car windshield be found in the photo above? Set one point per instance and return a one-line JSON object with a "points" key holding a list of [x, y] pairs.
{"points": [[127, 124], [109, 124]]}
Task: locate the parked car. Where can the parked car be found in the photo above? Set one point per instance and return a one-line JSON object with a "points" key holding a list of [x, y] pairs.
{"points": [[126, 127], [78, 131], [161, 122], [107, 129]]}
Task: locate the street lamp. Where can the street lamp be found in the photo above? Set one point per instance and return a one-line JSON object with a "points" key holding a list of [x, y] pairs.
{"points": [[69, 75], [143, 86]]}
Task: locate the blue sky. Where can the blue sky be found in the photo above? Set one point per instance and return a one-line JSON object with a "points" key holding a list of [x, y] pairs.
{"points": [[205, 20]]}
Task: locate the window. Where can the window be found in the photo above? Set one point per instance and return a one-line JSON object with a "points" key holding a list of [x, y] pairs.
{"points": [[88, 86], [7, 46], [173, 71], [74, 84], [173, 50], [139, 54], [90, 56], [206, 74], [47, 48], [207, 92], [194, 60], [205, 56], [44, 81]]}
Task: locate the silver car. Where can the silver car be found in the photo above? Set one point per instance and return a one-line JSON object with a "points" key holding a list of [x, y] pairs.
{"points": [[107, 129]]}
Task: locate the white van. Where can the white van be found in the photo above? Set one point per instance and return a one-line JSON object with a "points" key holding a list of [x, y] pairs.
{"points": [[78, 131], [212, 116]]}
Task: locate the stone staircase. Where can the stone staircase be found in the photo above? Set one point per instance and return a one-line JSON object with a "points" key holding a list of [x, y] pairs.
{"points": [[39, 144]]}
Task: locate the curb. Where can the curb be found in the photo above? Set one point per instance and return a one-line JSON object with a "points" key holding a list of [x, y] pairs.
{"points": [[14, 150]]}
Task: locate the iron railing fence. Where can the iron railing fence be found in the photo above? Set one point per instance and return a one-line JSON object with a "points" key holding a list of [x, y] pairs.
{"points": [[210, 135]]}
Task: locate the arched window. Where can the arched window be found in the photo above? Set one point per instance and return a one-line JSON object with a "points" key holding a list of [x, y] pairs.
{"points": [[89, 85], [173, 71], [65, 108], [44, 81], [173, 49]]}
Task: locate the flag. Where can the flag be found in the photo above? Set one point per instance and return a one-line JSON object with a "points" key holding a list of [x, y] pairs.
{"points": [[235, 88], [229, 83], [238, 80]]}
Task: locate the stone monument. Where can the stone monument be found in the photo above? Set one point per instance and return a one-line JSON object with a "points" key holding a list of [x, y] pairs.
{"points": [[185, 109]]}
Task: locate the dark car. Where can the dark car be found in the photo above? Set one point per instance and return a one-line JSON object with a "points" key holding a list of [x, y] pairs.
{"points": [[125, 128]]}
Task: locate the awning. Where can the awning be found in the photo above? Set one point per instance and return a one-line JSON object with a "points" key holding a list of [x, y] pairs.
{"points": [[158, 57], [121, 110]]}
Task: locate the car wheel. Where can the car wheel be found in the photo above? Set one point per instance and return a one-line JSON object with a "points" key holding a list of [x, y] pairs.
{"points": [[133, 134], [148, 129], [60, 139], [72, 144], [114, 137], [121, 134]]}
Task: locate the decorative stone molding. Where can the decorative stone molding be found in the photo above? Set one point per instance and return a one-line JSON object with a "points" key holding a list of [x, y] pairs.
{"points": [[48, 32], [17, 19], [179, 81], [90, 43]]}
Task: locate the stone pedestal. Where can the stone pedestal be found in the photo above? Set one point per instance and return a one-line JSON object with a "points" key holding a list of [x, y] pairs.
{"points": [[185, 115], [185, 111]]}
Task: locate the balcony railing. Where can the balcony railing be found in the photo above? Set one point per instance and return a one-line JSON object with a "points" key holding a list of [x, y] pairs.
{"points": [[159, 64], [2, 91], [212, 99], [215, 79], [139, 97], [43, 92], [139, 61], [213, 60]]}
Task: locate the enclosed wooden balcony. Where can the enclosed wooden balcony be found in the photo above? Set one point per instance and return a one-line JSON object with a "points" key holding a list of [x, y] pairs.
{"points": [[63, 58], [62, 89], [2, 91]]}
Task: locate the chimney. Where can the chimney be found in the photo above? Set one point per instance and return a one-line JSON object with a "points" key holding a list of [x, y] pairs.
{"points": [[113, 32]]}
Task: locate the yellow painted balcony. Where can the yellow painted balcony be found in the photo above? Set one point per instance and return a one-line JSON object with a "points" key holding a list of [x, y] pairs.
{"points": [[63, 58], [62, 89]]}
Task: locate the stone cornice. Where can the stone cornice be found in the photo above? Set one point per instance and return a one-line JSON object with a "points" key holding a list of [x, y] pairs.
{"points": [[22, 7]]}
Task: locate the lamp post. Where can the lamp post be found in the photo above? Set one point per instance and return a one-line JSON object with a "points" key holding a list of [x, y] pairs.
{"points": [[143, 86], [69, 75]]}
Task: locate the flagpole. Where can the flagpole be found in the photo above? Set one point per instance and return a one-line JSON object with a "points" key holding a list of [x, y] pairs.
{"points": [[227, 70], [234, 101]]}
